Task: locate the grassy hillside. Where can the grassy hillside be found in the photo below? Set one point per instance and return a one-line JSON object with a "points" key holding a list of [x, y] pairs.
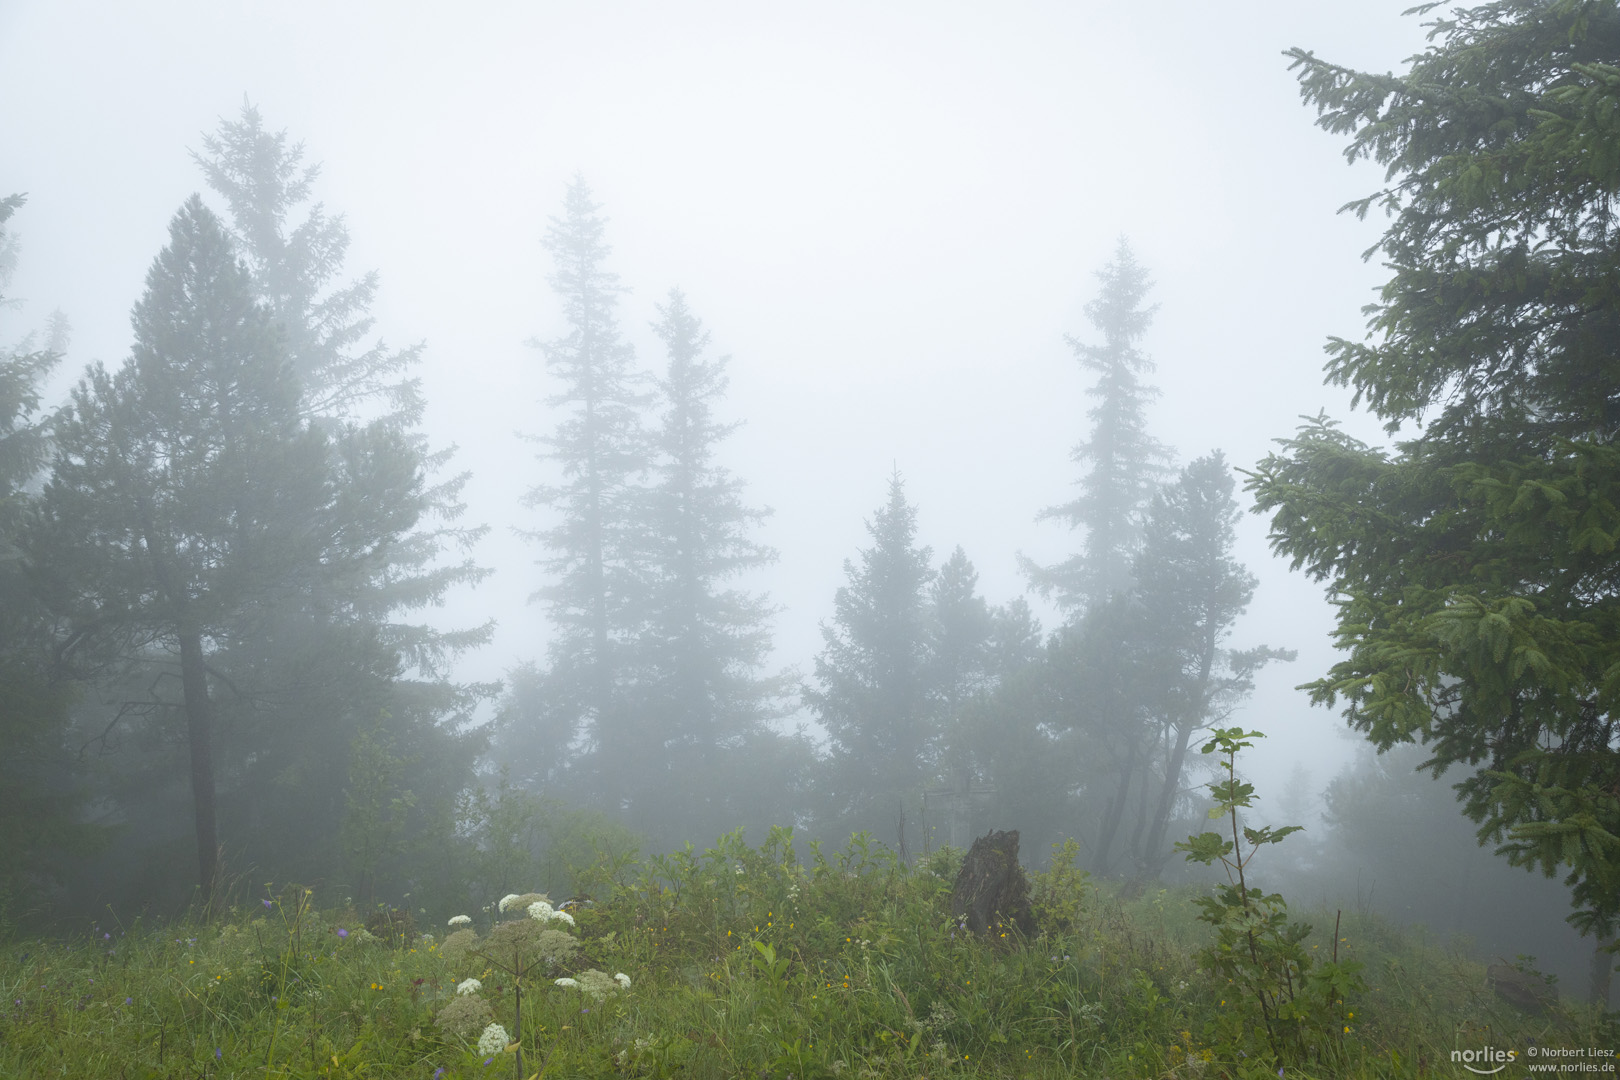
{"points": [[740, 962]]}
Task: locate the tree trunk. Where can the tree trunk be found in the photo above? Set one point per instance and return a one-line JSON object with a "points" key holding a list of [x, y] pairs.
{"points": [[1153, 851], [1602, 972], [991, 892], [199, 736], [1115, 812]]}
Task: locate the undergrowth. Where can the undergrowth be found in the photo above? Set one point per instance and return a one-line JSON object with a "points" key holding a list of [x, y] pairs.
{"points": [[759, 962]]}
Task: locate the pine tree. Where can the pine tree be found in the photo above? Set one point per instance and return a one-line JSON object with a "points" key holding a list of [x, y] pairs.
{"points": [[187, 495], [1125, 462], [311, 686], [873, 694], [1473, 564], [705, 699], [264, 182], [595, 553]]}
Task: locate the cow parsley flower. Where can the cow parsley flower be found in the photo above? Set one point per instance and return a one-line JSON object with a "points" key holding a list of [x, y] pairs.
{"points": [[493, 1040], [544, 912], [622, 979], [461, 920], [469, 986], [572, 984]]}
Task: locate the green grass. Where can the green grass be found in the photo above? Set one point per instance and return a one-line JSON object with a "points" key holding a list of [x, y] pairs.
{"points": [[744, 962]]}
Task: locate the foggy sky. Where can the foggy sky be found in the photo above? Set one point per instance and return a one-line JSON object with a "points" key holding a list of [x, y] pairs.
{"points": [[887, 214]]}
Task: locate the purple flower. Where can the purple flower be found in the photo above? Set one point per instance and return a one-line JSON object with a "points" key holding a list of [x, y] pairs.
{"points": [[342, 932], [106, 937], [487, 1061], [218, 1053], [440, 1071], [267, 903], [127, 1001]]}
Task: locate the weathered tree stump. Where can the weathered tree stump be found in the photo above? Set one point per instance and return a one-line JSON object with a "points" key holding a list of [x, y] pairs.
{"points": [[991, 895]]}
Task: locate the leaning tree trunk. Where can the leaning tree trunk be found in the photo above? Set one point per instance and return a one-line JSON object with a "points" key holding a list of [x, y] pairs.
{"points": [[199, 736], [1115, 812]]}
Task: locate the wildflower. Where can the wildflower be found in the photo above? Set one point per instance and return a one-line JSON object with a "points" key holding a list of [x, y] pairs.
{"points": [[267, 903], [624, 980], [465, 1017], [540, 910], [493, 1040], [342, 933], [572, 984], [468, 986], [461, 920], [218, 1053], [438, 1072], [506, 901]]}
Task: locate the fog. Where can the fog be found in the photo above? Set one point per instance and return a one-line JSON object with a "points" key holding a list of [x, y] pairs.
{"points": [[889, 216]]}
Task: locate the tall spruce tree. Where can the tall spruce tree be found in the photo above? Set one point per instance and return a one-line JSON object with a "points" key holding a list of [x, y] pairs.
{"points": [[705, 698], [188, 497], [595, 552], [305, 681], [872, 691], [1124, 463], [1474, 564]]}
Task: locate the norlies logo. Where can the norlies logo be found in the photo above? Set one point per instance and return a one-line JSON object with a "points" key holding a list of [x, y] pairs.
{"points": [[1486, 1062]]}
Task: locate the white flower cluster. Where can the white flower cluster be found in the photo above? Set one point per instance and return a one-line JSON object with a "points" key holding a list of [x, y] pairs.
{"points": [[469, 986], [461, 920], [493, 1040], [546, 913], [596, 983], [508, 900]]}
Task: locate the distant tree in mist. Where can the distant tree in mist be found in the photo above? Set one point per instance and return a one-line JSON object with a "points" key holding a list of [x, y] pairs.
{"points": [[187, 495], [327, 682], [1191, 591], [594, 552], [1123, 462], [710, 761], [872, 689], [41, 790]]}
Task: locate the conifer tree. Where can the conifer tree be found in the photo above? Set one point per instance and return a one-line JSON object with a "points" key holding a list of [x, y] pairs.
{"points": [[39, 789], [187, 495], [1473, 564], [1190, 592], [873, 691], [595, 552], [705, 698], [1124, 463], [309, 687]]}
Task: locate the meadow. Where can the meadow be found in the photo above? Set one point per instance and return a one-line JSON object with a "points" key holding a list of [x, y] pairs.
{"points": [[740, 961]]}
